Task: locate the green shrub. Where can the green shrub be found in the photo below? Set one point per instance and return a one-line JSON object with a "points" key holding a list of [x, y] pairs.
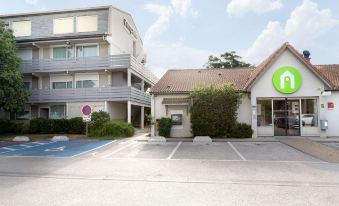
{"points": [[59, 126], [112, 129], [214, 110], [41, 126], [99, 118], [10, 126], [242, 130], [165, 125], [76, 126]]}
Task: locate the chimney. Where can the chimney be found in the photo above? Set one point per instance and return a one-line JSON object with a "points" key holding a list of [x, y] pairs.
{"points": [[307, 55]]}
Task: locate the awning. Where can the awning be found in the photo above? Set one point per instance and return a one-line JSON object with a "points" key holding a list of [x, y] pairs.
{"points": [[176, 101]]}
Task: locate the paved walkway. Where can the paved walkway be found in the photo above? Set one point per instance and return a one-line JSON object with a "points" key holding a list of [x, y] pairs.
{"points": [[318, 150]]}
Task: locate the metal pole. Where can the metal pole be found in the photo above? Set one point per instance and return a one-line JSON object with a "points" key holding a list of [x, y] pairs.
{"points": [[86, 129]]}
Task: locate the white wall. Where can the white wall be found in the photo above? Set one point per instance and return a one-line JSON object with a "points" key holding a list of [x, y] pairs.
{"points": [[121, 41], [332, 115], [311, 86], [244, 110]]}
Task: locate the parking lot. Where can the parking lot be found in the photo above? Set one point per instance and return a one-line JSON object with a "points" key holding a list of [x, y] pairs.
{"points": [[132, 149]]}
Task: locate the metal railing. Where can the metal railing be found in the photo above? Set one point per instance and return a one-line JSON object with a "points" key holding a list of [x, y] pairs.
{"points": [[90, 94], [122, 61]]}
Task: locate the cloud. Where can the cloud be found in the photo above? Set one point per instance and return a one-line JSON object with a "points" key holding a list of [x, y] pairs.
{"points": [[31, 2], [183, 7], [161, 24], [175, 55], [240, 7], [305, 24], [163, 56]]}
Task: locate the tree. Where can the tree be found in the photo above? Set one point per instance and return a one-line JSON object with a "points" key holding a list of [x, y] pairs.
{"points": [[226, 60], [13, 95]]}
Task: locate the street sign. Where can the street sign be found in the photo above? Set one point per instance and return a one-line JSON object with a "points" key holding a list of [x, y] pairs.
{"points": [[86, 118], [86, 110]]}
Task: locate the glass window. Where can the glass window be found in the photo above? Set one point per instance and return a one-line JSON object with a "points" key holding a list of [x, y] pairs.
{"points": [[309, 113], [25, 115], [87, 84], [87, 51], [57, 112], [264, 113], [62, 52], [27, 85], [62, 85]]}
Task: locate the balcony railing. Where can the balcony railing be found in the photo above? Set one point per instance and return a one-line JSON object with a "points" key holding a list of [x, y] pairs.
{"points": [[122, 61], [90, 94]]}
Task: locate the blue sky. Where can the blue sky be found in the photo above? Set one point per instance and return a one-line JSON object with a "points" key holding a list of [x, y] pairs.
{"points": [[182, 33]]}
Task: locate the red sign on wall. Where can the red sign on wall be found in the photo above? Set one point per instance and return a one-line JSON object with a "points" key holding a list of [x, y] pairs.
{"points": [[330, 105]]}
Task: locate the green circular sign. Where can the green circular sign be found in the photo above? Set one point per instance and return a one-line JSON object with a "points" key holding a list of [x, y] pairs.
{"points": [[287, 80]]}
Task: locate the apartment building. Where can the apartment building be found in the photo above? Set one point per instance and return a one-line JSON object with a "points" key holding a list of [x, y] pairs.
{"points": [[71, 58]]}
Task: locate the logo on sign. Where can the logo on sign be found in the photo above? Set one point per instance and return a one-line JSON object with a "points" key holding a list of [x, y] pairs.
{"points": [[287, 80], [86, 110]]}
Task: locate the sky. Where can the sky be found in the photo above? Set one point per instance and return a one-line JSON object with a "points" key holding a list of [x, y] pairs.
{"points": [[180, 34]]}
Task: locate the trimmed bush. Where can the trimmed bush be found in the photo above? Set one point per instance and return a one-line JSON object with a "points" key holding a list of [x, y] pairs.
{"points": [[41, 126], [112, 129], [214, 110], [165, 125], [76, 126], [99, 118], [10, 126], [242, 130]]}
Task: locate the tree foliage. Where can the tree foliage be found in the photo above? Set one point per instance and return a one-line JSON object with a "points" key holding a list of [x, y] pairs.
{"points": [[13, 94], [214, 110], [226, 60]]}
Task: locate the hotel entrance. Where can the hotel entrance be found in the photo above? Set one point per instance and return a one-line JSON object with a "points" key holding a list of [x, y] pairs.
{"points": [[286, 117]]}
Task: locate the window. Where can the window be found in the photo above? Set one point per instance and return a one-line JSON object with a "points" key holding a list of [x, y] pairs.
{"points": [[28, 85], [25, 53], [22, 28], [309, 113], [62, 52], [62, 85], [87, 23], [87, 51], [63, 25], [87, 84], [25, 115], [176, 119], [264, 113], [57, 112]]}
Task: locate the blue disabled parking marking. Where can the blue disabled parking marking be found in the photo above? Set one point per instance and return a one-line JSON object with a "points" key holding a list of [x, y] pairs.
{"points": [[53, 148]]}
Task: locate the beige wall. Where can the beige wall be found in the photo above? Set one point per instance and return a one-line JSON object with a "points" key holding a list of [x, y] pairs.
{"points": [[117, 110], [103, 79], [159, 111], [46, 53], [118, 79], [74, 109]]}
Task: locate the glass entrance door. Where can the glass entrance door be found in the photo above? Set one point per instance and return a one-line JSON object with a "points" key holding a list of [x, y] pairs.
{"points": [[286, 115]]}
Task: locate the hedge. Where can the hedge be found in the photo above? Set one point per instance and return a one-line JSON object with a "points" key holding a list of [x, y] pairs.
{"points": [[242, 130], [165, 125], [43, 126], [112, 130], [214, 110]]}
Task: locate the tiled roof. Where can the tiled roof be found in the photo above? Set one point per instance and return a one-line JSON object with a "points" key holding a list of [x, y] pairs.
{"points": [[185, 80], [175, 101], [331, 72]]}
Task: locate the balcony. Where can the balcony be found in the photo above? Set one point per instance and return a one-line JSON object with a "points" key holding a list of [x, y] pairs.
{"points": [[90, 94], [122, 61]]}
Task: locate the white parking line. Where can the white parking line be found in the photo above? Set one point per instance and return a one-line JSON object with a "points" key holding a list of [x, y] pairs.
{"points": [[7, 148], [94, 148], [118, 150], [174, 150], [14, 150], [236, 151]]}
